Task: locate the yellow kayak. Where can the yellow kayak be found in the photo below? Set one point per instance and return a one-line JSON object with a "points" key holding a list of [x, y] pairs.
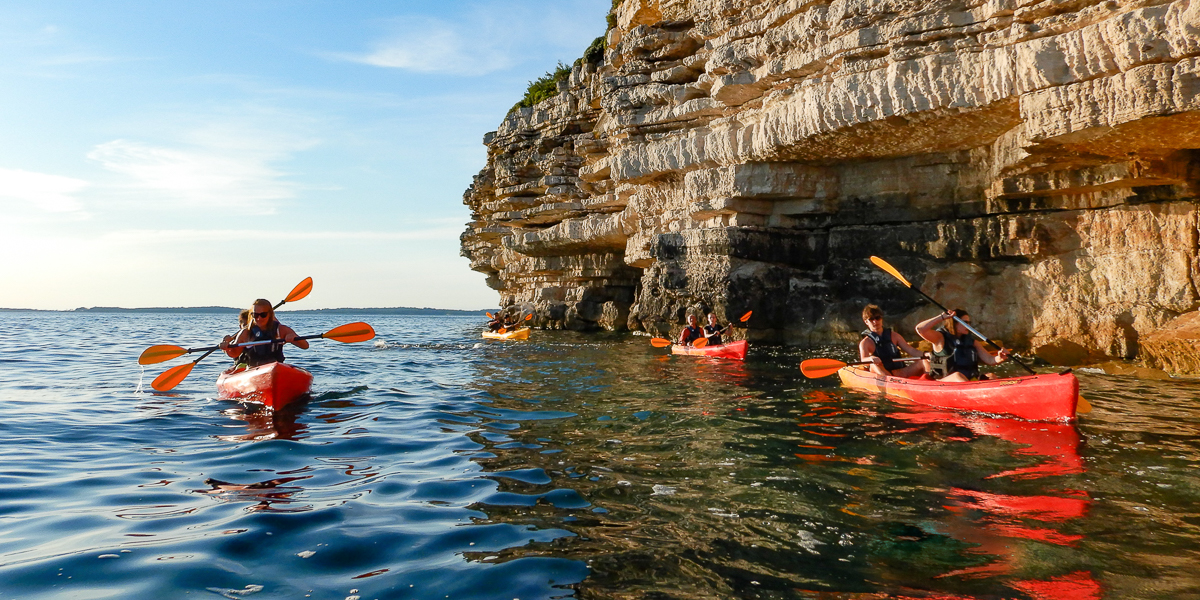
{"points": [[516, 334]]}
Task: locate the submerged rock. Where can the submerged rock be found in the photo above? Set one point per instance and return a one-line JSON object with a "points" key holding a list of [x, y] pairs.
{"points": [[1033, 163]]}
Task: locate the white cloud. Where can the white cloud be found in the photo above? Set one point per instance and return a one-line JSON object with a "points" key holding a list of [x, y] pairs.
{"points": [[217, 165], [491, 37], [435, 46], [51, 193], [151, 237]]}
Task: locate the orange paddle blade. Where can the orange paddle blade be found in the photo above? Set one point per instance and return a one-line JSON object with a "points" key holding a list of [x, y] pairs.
{"points": [[300, 291], [156, 354], [528, 316], [489, 315], [350, 333], [883, 264], [746, 317], [1083, 407], [172, 377], [660, 342], [814, 368], [700, 343], [502, 330]]}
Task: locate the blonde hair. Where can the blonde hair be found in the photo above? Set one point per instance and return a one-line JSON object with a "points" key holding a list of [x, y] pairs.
{"points": [[270, 309], [244, 318]]}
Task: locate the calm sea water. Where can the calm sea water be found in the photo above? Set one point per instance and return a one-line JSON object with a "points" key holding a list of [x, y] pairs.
{"points": [[430, 465]]}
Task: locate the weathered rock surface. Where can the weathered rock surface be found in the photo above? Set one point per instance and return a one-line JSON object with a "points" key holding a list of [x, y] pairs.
{"points": [[1034, 162]]}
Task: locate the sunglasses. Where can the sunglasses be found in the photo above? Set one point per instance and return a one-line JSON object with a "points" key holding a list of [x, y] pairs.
{"points": [[873, 319], [261, 315]]}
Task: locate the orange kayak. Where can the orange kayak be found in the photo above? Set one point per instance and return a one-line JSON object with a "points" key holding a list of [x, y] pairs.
{"points": [[515, 334], [275, 385], [732, 350], [1050, 397]]}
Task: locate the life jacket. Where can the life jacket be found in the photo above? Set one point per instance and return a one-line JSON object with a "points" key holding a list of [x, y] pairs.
{"points": [[958, 355], [690, 333], [885, 349], [714, 334], [254, 356]]}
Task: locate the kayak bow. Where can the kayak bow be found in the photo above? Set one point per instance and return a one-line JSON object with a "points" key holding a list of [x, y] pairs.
{"points": [[732, 350], [275, 385]]}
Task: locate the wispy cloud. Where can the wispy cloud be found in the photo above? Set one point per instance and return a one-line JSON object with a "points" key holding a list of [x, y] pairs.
{"points": [[138, 237], [224, 164], [51, 193], [427, 45], [488, 38]]}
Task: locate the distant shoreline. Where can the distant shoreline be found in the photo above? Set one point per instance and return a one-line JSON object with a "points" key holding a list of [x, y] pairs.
{"points": [[231, 310]]}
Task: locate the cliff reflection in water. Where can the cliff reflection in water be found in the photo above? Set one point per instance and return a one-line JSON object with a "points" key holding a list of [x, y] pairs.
{"points": [[721, 479]]}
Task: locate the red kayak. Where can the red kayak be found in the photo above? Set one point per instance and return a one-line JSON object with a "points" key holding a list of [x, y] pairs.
{"points": [[732, 350], [275, 384], [1034, 397]]}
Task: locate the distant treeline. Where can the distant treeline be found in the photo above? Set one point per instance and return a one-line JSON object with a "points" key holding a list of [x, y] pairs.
{"points": [[227, 310]]}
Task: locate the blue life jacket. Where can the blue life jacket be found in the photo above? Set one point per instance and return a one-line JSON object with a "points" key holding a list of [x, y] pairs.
{"points": [[254, 356], [885, 349], [690, 333], [958, 355]]}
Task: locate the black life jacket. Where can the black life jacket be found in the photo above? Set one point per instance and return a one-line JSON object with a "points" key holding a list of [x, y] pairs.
{"points": [[254, 356], [958, 355], [714, 334], [690, 333], [885, 349]]}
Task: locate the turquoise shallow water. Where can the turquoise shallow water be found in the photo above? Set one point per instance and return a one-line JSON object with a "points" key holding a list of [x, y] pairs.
{"points": [[431, 465]]}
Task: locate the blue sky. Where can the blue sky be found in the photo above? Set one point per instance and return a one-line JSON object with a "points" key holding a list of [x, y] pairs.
{"points": [[207, 153]]}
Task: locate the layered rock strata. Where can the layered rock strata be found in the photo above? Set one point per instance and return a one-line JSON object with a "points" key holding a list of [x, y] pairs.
{"points": [[1031, 161]]}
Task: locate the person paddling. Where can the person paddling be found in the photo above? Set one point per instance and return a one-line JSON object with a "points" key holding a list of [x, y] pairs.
{"points": [[690, 333], [496, 323], [956, 353], [882, 347], [263, 326], [713, 331]]}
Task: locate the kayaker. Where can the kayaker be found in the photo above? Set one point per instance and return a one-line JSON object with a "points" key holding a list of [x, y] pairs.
{"points": [[713, 331], [496, 323], [956, 353], [263, 326], [690, 333], [243, 319], [882, 347]]}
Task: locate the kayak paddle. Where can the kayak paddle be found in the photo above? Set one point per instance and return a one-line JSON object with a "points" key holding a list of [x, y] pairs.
{"points": [[699, 342], [882, 264], [660, 342], [504, 330], [663, 342], [347, 334], [298, 293], [163, 353], [815, 368]]}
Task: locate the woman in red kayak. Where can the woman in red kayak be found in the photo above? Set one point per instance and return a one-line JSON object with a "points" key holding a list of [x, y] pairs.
{"points": [[690, 333], [882, 347], [713, 330], [263, 326], [956, 353]]}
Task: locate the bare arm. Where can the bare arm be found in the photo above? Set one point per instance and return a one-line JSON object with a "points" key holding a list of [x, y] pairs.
{"points": [[902, 344], [866, 350], [988, 358], [927, 329], [241, 337], [288, 335]]}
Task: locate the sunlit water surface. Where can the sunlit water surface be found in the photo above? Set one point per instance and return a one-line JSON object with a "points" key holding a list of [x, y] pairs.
{"points": [[430, 465]]}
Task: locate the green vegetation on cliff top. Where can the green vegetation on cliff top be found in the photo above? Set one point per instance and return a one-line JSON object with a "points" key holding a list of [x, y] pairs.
{"points": [[546, 86]]}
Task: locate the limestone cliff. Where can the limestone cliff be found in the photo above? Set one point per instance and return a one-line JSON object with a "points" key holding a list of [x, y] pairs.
{"points": [[1031, 161]]}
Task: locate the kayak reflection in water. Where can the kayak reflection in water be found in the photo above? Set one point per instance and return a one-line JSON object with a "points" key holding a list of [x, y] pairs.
{"points": [[882, 347], [690, 333], [956, 353], [263, 326]]}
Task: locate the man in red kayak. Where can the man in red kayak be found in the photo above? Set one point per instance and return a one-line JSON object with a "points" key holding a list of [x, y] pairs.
{"points": [[690, 333], [263, 326], [956, 353], [882, 347]]}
